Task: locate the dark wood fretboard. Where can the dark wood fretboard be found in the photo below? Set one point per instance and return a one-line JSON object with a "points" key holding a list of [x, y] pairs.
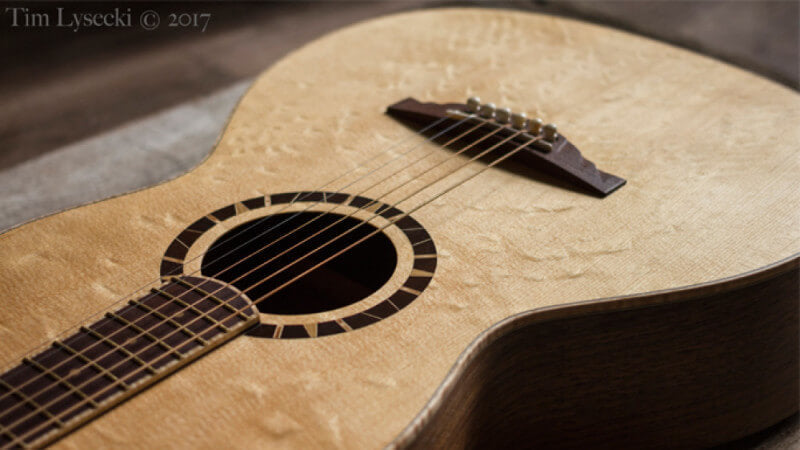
{"points": [[104, 363]]}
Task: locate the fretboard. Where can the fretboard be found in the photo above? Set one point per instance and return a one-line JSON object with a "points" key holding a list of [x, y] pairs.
{"points": [[104, 363]]}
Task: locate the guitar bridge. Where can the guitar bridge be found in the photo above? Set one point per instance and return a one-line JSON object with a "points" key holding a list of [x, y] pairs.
{"points": [[552, 152]]}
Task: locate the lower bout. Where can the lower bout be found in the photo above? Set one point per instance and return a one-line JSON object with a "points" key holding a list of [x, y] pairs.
{"points": [[712, 366]]}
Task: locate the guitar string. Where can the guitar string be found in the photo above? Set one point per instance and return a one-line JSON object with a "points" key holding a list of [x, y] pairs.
{"points": [[392, 222], [344, 217], [376, 214], [10, 363], [498, 160], [265, 232], [156, 310], [123, 360], [140, 334], [307, 194], [363, 208]]}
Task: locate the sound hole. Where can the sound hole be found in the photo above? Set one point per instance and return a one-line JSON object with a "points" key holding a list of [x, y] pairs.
{"points": [[275, 249]]}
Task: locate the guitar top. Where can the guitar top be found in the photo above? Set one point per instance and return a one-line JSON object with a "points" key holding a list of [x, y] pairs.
{"points": [[347, 254]]}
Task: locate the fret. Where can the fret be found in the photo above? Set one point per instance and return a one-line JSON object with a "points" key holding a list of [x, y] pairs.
{"points": [[190, 307], [103, 371], [27, 399], [106, 362], [61, 380], [170, 321], [158, 341], [127, 352], [221, 302], [52, 381]]}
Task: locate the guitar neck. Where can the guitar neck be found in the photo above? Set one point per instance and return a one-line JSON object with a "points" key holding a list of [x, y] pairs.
{"points": [[103, 364]]}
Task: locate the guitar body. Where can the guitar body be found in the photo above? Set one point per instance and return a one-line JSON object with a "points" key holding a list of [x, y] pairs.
{"points": [[709, 216]]}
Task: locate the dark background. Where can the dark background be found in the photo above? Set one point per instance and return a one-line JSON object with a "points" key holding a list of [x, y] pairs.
{"points": [[58, 87]]}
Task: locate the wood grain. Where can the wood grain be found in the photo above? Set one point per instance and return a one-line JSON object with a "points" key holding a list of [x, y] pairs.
{"points": [[712, 193], [686, 368]]}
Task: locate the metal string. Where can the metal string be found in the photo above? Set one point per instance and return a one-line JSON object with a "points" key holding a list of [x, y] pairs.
{"points": [[391, 222], [247, 257], [373, 202], [273, 228], [361, 208], [374, 215], [10, 363]]}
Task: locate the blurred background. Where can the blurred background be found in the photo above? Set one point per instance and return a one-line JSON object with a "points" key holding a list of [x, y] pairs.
{"points": [[88, 113]]}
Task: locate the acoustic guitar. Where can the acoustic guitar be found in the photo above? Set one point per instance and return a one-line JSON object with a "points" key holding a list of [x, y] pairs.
{"points": [[441, 229]]}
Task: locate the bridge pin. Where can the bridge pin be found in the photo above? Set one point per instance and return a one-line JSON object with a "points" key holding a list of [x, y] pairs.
{"points": [[473, 104], [535, 126], [487, 111], [503, 115], [519, 120], [550, 132]]}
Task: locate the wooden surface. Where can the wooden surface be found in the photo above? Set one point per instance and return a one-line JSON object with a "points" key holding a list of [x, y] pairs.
{"points": [[613, 379], [690, 215]]}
